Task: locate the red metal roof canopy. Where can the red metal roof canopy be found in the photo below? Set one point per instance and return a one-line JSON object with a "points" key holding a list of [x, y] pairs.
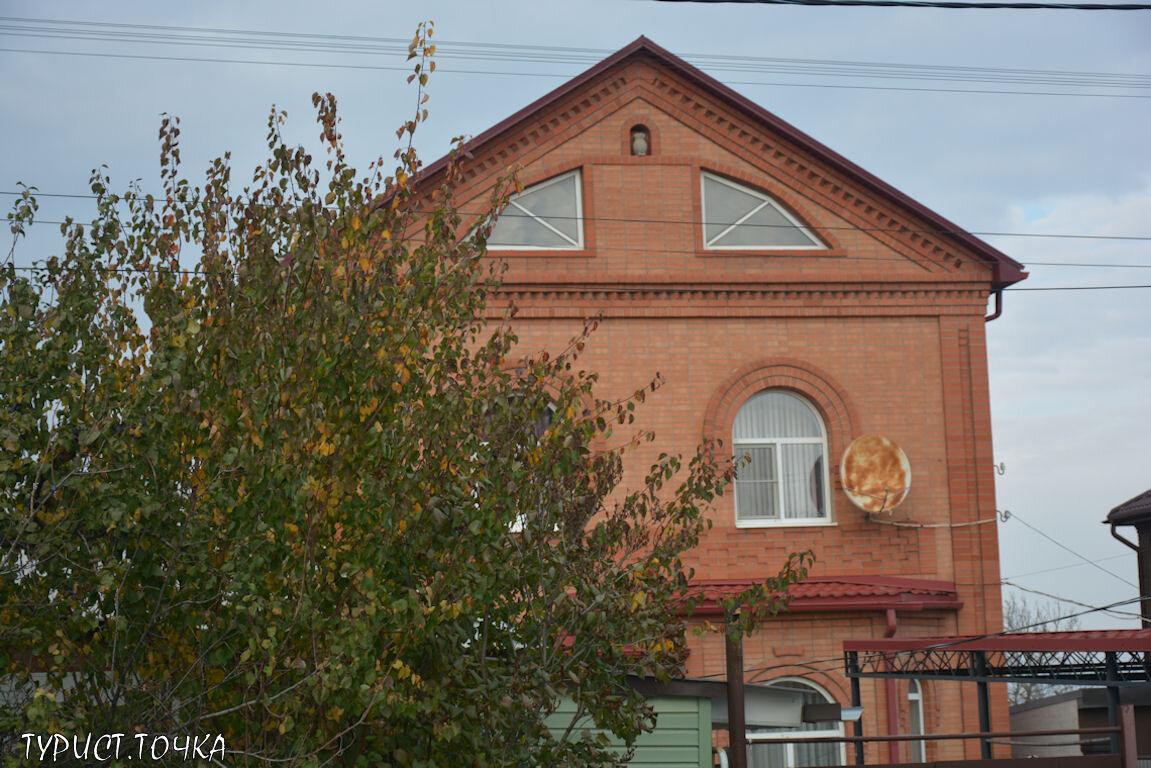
{"points": [[1095, 640], [840, 593], [1114, 658]]}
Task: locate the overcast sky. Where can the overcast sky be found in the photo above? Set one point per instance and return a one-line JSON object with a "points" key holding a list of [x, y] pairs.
{"points": [[1070, 369]]}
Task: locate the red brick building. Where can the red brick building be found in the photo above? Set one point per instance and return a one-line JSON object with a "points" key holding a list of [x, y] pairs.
{"points": [[792, 302]]}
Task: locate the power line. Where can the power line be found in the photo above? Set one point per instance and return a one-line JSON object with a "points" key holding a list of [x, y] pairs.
{"points": [[617, 290], [569, 75], [1013, 516], [1013, 289], [666, 251], [1084, 264], [838, 660], [1108, 611], [364, 44], [344, 45], [938, 4], [643, 220], [1061, 568]]}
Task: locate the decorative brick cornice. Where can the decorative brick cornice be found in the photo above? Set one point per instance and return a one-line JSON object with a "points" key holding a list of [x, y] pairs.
{"points": [[654, 289], [524, 142], [733, 120], [803, 175], [721, 300]]}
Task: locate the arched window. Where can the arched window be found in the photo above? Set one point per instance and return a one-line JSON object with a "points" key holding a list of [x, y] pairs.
{"points": [[784, 479], [736, 217], [518, 427], [915, 721], [545, 216], [762, 753]]}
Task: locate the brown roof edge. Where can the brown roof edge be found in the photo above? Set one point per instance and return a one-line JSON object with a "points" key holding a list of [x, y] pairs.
{"points": [[1089, 640], [1133, 511], [1005, 270]]}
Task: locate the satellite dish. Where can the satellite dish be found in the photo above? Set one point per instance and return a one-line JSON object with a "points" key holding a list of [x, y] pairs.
{"points": [[876, 473]]}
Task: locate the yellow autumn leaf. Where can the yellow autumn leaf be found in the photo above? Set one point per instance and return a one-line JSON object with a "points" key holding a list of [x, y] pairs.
{"points": [[369, 407]]}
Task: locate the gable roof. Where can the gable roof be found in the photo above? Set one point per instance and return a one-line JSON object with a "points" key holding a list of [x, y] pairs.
{"points": [[1005, 270]]}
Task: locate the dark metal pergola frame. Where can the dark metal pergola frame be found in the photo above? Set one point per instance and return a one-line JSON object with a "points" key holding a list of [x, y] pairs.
{"points": [[1114, 659]]}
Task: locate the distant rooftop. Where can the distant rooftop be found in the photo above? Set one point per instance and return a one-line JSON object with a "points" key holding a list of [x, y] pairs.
{"points": [[1133, 511]]}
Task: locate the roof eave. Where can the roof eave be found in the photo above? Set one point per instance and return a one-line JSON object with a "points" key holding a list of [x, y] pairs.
{"points": [[1005, 270], [1134, 511]]}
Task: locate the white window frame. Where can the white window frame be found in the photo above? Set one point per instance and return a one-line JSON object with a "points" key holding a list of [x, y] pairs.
{"points": [[774, 444], [521, 521], [519, 210], [917, 749], [767, 201], [828, 733]]}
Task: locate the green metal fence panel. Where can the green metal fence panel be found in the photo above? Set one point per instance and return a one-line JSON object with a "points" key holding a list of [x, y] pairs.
{"points": [[681, 739]]}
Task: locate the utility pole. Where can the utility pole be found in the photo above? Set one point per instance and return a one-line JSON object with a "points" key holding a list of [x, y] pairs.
{"points": [[736, 726]]}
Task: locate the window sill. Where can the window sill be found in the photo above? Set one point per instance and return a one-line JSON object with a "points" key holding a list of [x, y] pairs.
{"points": [[795, 523], [705, 252], [538, 253]]}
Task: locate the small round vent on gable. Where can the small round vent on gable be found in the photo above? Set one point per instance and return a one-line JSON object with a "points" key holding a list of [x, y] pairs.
{"points": [[875, 473]]}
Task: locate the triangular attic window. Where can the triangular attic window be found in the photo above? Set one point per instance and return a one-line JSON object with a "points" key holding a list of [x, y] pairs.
{"points": [[546, 216], [740, 218]]}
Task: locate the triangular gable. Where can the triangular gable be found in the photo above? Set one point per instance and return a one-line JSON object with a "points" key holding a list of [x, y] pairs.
{"points": [[926, 237]]}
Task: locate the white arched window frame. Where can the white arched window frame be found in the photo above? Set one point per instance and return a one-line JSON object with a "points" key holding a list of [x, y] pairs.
{"points": [[915, 725], [763, 753], [780, 444], [739, 218], [539, 425], [547, 216]]}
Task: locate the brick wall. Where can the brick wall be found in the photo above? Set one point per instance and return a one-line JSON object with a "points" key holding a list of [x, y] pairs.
{"points": [[882, 332]]}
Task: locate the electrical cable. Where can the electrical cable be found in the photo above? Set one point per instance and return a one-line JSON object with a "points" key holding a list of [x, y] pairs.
{"points": [[1109, 612], [1013, 516], [900, 524], [615, 290], [342, 44], [665, 221], [938, 4], [1085, 264], [365, 45], [838, 660], [568, 76], [664, 251], [1063, 567], [1014, 289]]}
